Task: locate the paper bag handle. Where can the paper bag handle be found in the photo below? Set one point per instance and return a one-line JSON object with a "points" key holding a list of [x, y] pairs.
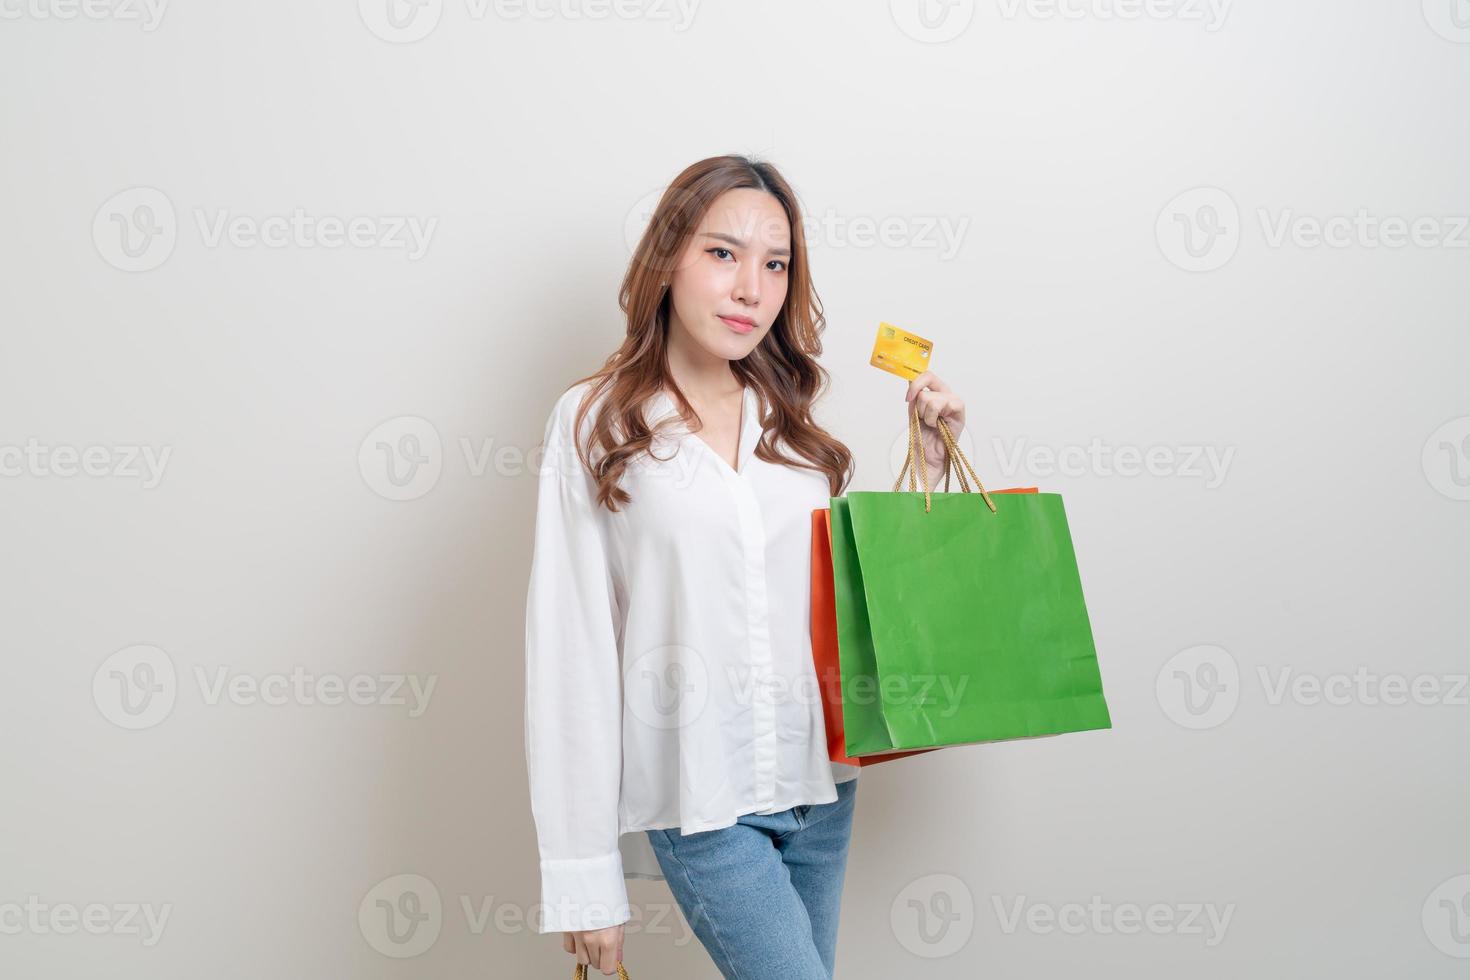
{"points": [[914, 461]]}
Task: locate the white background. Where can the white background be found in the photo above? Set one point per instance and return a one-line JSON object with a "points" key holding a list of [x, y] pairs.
{"points": [[331, 502]]}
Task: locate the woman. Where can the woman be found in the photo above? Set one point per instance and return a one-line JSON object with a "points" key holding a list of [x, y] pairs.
{"points": [[674, 726]]}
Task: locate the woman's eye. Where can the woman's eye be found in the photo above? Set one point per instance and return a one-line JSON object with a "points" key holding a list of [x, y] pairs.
{"points": [[721, 253]]}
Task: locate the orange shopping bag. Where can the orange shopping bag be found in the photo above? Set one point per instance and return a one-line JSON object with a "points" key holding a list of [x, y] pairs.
{"points": [[824, 642]]}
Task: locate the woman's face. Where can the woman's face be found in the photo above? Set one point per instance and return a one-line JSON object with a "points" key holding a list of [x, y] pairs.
{"points": [[730, 282]]}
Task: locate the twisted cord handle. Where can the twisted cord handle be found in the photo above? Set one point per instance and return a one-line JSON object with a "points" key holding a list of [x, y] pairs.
{"points": [[915, 462]]}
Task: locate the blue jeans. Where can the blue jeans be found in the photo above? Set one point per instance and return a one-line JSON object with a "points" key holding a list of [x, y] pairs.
{"points": [[763, 895]]}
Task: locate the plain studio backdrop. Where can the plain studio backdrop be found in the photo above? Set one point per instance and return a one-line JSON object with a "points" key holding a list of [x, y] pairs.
{"points": [[289, 290]]}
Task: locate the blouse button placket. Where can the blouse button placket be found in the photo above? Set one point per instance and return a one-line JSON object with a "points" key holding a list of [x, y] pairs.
{"points": [[758, 633]]}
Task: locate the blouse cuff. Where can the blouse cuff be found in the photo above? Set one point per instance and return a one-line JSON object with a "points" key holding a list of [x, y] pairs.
{"points": [[578, 894]]}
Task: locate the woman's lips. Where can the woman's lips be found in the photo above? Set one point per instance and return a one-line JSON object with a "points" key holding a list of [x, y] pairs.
{"points": [[739, 326]]}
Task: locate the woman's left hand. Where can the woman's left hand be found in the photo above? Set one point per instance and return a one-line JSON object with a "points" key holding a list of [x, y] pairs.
{"points": [[936, 401]]}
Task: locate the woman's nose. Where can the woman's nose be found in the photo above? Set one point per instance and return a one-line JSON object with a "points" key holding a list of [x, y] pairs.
{"points": [[747, 285]]}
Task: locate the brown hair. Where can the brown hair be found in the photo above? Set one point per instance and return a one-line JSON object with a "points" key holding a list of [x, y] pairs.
{"points": [[782, 368]]}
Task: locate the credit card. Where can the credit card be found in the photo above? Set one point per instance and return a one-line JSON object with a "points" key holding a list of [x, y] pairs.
{"points": [[900, 352]]}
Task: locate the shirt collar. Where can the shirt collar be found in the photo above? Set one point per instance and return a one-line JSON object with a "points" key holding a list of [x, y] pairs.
{"points": [[662, 405]]}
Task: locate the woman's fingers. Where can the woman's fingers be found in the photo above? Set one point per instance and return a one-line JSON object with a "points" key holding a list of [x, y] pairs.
{"points": [[602, 959], [601, 949], [935, 398], [930, 405], [933, 404], [928, 380]]}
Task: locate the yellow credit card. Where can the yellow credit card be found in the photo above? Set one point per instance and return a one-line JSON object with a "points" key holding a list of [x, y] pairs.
{"points": [[904, 354]]}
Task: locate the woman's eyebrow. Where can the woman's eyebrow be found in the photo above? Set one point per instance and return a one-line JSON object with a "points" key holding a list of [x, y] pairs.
{"points": [[721, 236]]}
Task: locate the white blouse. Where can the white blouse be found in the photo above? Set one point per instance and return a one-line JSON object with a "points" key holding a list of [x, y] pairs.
{"points": [[669, 675]]}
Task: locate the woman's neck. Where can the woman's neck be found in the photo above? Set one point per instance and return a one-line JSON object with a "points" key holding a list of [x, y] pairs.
{"points": [[700, 375]]}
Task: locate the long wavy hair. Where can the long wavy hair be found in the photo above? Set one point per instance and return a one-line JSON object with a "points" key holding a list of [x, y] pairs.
{"points": [[782, 368]]}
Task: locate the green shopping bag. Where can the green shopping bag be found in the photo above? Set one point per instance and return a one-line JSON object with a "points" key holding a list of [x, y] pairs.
{"points": [[960, 616]]}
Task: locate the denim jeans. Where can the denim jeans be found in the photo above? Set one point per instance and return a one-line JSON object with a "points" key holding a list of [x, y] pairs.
{"points": [[763, 895]]}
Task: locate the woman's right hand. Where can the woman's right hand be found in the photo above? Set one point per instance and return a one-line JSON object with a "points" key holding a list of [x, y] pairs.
{"points": [[601, 949]]}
